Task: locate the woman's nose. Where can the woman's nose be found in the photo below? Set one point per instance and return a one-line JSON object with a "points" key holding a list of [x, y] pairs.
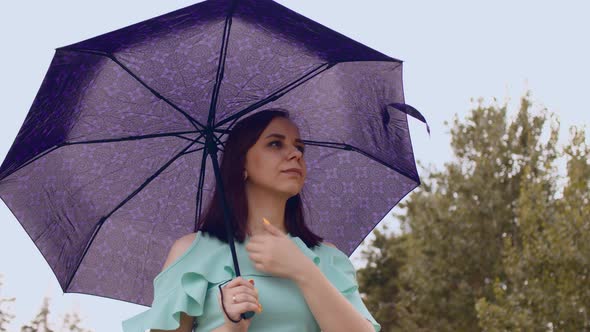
{"points": [[295, 152]]}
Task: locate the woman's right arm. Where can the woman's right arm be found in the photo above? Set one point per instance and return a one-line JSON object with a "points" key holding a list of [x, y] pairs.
{"points": [[222, 328], [179, 247], [186, 324]]}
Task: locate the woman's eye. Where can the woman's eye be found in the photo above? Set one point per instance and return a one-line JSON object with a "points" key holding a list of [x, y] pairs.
{"points": [[279, 144]]}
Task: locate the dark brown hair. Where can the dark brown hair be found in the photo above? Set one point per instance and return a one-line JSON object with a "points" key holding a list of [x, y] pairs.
{"points": [[241, 138]]}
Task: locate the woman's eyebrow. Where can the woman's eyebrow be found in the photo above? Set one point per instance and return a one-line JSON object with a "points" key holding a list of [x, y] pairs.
{"points": [[283, 137]]}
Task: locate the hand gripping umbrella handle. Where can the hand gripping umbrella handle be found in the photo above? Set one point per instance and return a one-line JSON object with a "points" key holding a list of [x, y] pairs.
{"points": [[245, 315]]}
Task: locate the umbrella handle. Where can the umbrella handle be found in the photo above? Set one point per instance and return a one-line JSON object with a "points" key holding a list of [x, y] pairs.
{"points": [[248, 315]]}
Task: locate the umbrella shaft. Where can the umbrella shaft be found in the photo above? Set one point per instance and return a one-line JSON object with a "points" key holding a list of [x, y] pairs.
{"points": [[227, 213]]}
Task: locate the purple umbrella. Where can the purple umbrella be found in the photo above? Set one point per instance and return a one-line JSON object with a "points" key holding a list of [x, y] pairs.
{"points": [[110, 165]]}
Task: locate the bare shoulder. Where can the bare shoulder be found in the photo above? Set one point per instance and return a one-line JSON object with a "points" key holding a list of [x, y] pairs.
{"points": [[185, 241], [179, 247]]}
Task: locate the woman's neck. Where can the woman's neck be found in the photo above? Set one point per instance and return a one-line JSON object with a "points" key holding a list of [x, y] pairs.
{"points": [[265, 205]]}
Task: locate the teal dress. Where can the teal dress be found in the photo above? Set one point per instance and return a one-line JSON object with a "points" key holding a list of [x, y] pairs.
{"points": [[190, 284]]}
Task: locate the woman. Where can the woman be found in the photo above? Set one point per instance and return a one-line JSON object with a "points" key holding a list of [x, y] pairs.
{"points": [[295, 282]]}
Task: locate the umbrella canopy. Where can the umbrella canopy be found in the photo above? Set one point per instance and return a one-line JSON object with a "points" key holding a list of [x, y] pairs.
{"points": [[110, 165]]}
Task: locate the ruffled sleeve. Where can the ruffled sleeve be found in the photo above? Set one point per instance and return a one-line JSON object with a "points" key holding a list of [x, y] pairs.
{"points": [[182, 287], [342, 274]]}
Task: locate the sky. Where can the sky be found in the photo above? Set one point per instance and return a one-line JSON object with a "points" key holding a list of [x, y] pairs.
{"points": [[454, 53]]}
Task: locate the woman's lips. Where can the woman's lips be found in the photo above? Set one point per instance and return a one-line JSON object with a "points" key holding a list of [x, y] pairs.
{"points": [[292, 172]]}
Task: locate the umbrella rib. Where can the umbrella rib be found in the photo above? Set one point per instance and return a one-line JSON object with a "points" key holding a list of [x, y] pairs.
{"points": [[221, 64], [226, 131], [195, 150], [200, 189], [122, 139], [280, 92], [348, 147], [133, 138], [218, 140], [371, 60], [30, 161], [190, 139], [129, 197], [192, 120]]}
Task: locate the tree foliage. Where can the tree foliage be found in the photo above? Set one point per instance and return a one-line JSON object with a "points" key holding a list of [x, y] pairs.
{"points": [[494, 241], [547, 263], [41, 323], [380, 280], [70, 323], [5, 316]]}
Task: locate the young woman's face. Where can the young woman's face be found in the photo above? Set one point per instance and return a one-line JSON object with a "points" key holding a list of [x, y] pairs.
{"points": [[277, 150]]}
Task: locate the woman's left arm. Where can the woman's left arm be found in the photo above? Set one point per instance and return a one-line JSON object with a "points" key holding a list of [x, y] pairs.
{"points": [[276, 254], [330, 308]]}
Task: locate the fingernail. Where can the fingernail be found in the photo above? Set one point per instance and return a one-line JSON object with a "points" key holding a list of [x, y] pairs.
{"points": [[260, 307], [251, 281]]}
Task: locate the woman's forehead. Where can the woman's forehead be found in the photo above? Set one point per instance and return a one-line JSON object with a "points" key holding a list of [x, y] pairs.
{"points": [[281, 126]]}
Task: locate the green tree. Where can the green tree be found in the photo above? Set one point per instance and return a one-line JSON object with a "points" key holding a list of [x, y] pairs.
{"points": [[547, 263], [40, 323], [5, 316], [71, 323], [458, 220], [379, 280], [458, 264]]}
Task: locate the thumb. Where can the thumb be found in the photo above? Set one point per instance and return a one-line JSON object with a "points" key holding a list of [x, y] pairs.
{"points": [[270, 227]]}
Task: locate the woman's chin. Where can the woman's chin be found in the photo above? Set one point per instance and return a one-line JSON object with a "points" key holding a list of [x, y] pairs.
{"points": [[290, 192]]}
